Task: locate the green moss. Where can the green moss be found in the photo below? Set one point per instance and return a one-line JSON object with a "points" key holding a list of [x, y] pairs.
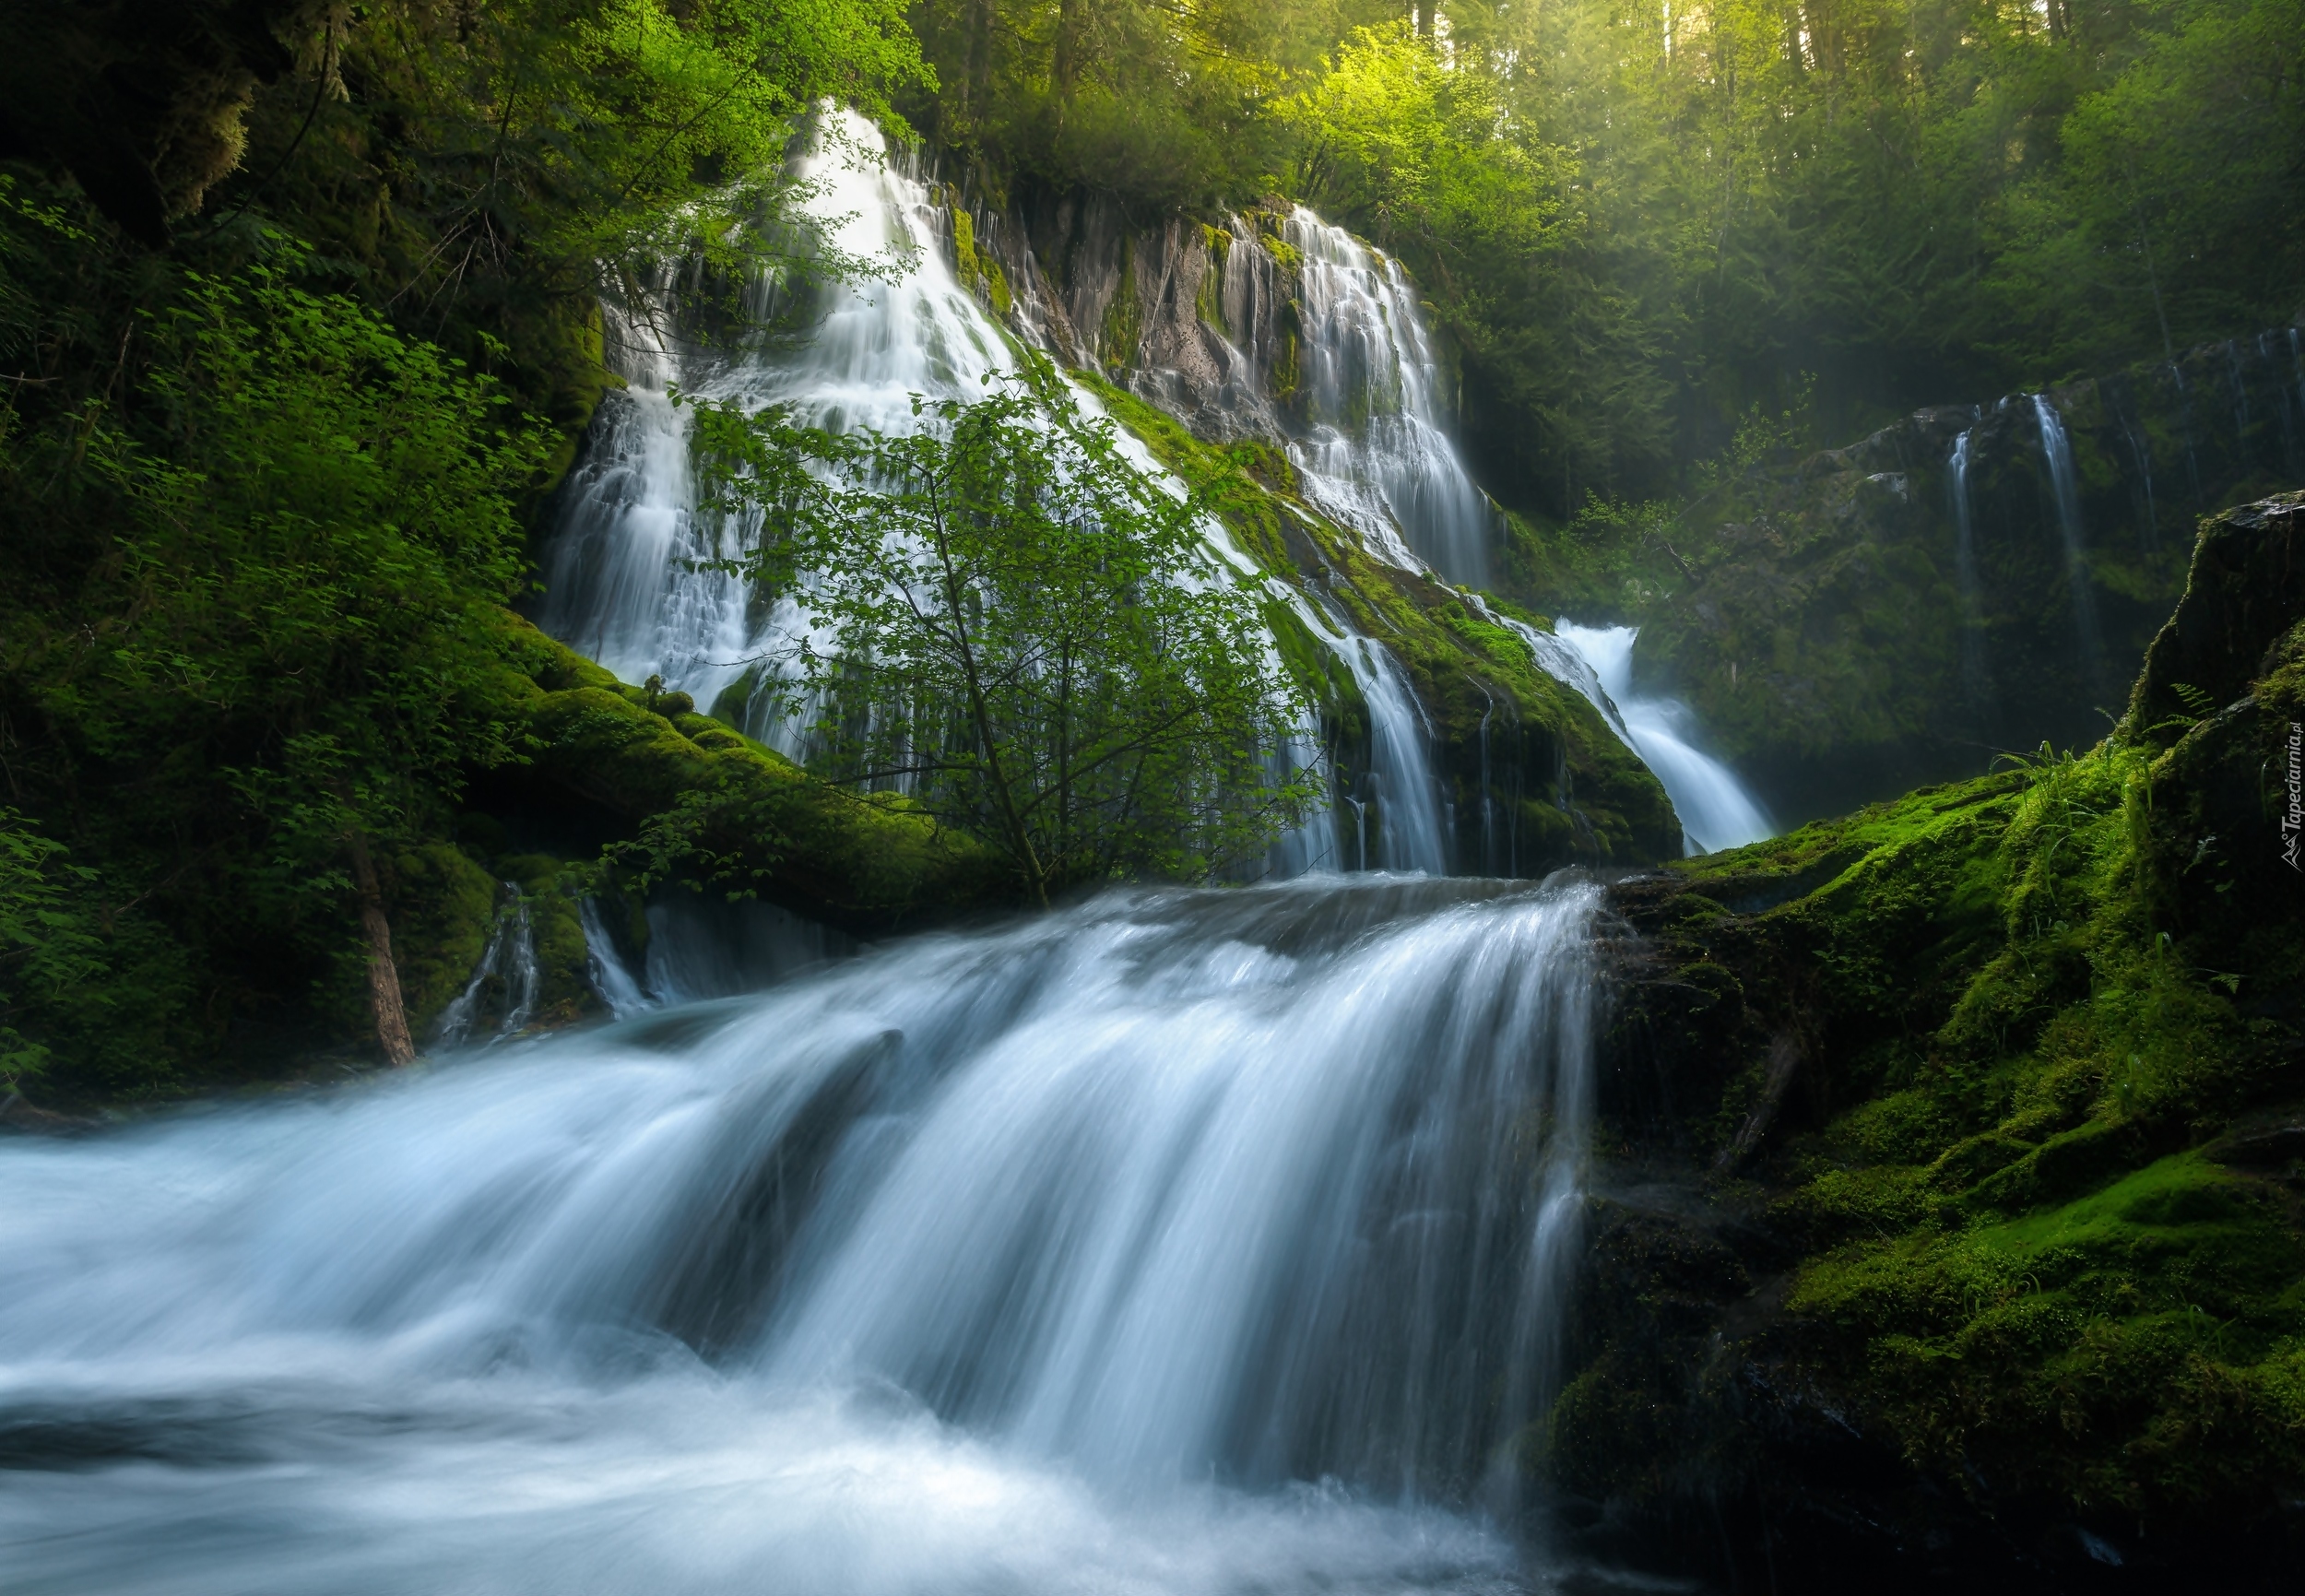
{"points": [[1562, 787], [1122, 328], [965, 244], [739, 812], [1286, 254], [978, 272], [2028, 1010], [1284, 375], [2091, 1349], [444, 905], [1209, 299]]}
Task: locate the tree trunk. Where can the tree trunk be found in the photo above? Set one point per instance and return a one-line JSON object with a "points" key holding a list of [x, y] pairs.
{"points": [[1065, 64], [383, 976]]}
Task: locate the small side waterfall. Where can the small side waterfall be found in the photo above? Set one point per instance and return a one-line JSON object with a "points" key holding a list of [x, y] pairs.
{"points": [[2292, 423], [2184, 423], [504, 984], [1975, 684], [612, 979], [1567, 665], [1176, 1243], [699, 946], [1715, 810], [2140, 443], [1400, 786], [2057, 450], [1376, 456]]}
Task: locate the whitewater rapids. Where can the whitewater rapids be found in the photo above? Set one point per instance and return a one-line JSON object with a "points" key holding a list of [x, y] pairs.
{"points": [[1179, 1242]]}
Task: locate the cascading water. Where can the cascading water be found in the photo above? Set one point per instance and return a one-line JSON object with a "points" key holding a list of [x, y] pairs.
{"points": [[1178, 1241], [1400, 786], [1974, 682], [2065, 483], [620, 582], [2184, 425], [1715, 810], [700, 947], [606, 967], [2133, 433], [1377, 456], [2292, 439], [503, 985], [1565, 664]]}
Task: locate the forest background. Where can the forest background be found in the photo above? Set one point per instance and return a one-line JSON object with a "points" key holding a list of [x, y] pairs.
{"points": [[299, 312]]}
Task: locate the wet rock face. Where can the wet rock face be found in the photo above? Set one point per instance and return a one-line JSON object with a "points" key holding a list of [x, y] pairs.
{"points": [[1843, 636], [2246, 588], [1186, 314]]}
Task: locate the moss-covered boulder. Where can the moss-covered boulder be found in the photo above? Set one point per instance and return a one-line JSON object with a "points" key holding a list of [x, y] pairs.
{"points": [[610, 761], [1952, 1217]]}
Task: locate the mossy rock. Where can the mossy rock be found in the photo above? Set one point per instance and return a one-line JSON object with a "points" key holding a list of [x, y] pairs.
{"points": [[1994, 1091], [865, 863], [444, 906]]}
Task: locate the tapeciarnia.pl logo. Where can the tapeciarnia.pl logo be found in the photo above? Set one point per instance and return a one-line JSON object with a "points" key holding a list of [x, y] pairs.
{"points": [[2290, 828]]}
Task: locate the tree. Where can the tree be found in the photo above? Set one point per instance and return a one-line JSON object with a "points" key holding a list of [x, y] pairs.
{"points": [[1026, 635], [254, 640]]}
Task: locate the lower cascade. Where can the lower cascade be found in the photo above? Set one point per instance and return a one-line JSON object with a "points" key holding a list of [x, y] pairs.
{"points": [[1716, 811], [1180, 1241]]}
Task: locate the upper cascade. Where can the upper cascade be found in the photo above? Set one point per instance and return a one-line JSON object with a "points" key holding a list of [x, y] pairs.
{"points": [[1277, 325], [622, 582], [1374, 453]]}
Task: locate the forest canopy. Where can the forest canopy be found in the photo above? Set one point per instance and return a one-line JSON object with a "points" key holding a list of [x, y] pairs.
{"points": [[1642, 218]]}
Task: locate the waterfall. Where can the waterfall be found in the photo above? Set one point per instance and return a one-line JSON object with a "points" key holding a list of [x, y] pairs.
{"points": [[709, 947], [1716, 811], [2292, 439], [2184, 422], [1375, 455], [612, 979], [1975, 685], [1565, 664], [700, 947], [1178, 1241], [2066, 486], [2140, 443], [1400, 782], [504, 983], [619, 578], [1596, 662]]}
